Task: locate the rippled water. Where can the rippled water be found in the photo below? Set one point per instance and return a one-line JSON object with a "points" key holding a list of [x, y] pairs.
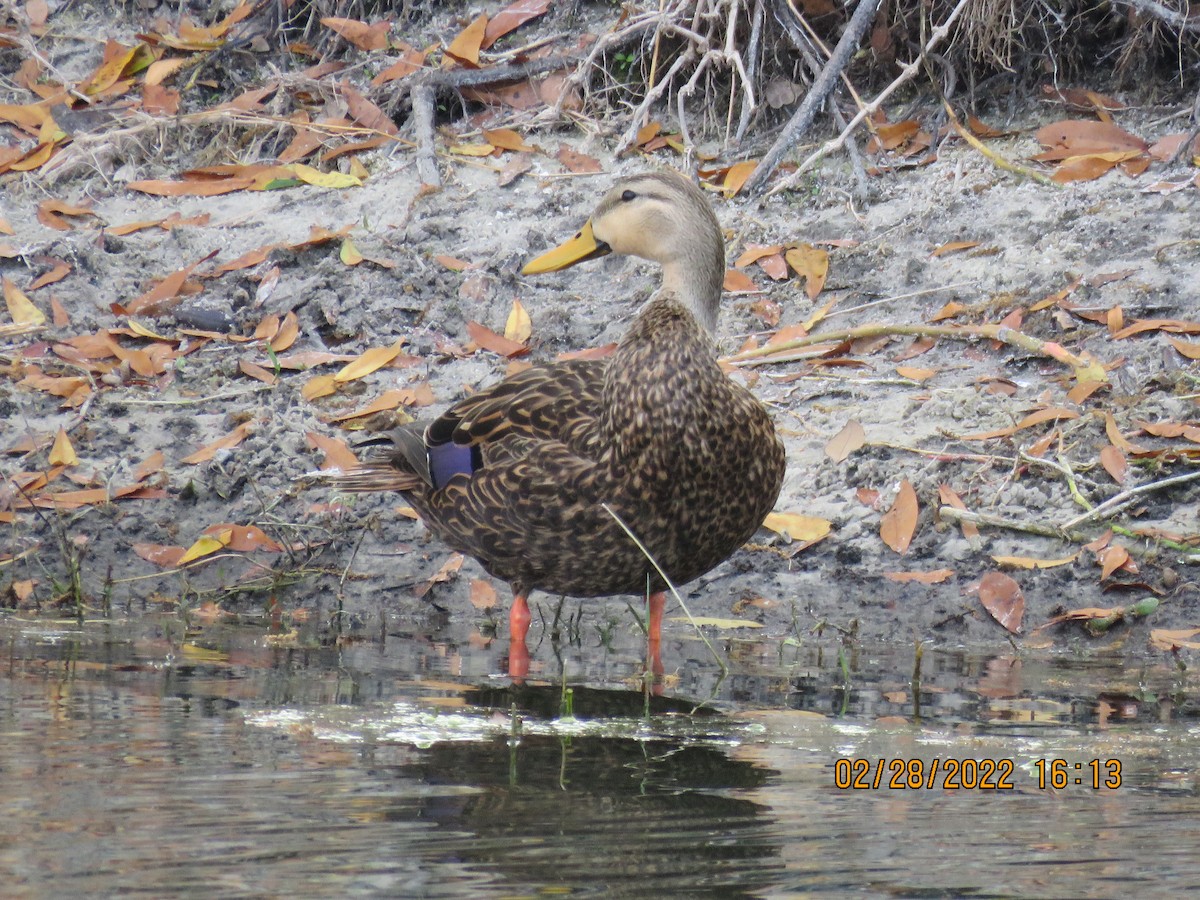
{"points": [[149, 761]]}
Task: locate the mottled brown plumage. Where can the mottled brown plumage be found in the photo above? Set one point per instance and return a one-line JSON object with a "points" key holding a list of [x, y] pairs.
{"points": [[687, 458]]}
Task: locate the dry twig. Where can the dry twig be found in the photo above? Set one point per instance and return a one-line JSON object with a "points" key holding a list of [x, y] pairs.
{"points": [[909, 71]]}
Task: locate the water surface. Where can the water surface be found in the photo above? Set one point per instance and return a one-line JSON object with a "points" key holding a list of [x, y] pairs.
{"points": [[226, 762]]}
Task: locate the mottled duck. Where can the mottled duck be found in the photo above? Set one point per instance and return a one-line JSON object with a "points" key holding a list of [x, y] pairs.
{"points": [[531, 475]]}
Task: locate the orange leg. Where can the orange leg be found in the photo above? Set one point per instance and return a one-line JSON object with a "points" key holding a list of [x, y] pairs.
{"points": [[518, 627], [657, 603]]}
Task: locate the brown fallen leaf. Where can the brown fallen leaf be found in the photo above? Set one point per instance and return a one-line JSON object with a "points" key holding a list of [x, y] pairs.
{"points": [[487, 339], [243, 538], [464, 49], [1111, 558], [507, 139], [20, 307], [736, 177], [852, 437], [368, 361], [1078, 137], [511, 18], [203, 546], [1001, 596], [1029, 562], [165, 293], [63, 453], [578, 163], [737, 282], [1117, 439], [163, 555], [1171, 640], [337, 454], [515, 168], [59, 269], [364, 112], [797, 527], [1185, 348], [937, 576], [519, 327], [448, 572], [1114, 462], [151, 465], [813, 264], [411, 60], [950, 497], [362, 35], [954, 247], [915, 374], [228, 442], [1050, 414], [483, 595], [899, 523]]}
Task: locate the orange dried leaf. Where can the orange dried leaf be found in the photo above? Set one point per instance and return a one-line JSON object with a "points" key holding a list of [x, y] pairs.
{"points": [[1171, 640], [63, 453], [254, 370], [1029, 562], [797, 527], [364, 112], [368, 362], [59, 270], [949, 311], [738, 282], [287, 334], [163, 555], [228, 442], [447, 572], [512, 17], [243, 538], [410, 61], [1114, 462], [20, 307], [950, 498], [165, 292], [1090, 167], [362, 35], [914, 373], [1001, 596], [850, 438], [151, 465], [1117, 439], [204, 546], [337, 454], [578, 163], [507, 139], [937, 576], [812, 263], [899, 523], [954, 247], [1076, 137], [487, 339], [466, 46], [321, 386], [755, 252], [1111, 558], [774, 265], [737, 176], [519, 327], [1185, 348], [483, 595]]}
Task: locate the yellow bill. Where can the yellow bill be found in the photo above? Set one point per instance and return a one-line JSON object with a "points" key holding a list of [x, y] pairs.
{"points": [[579, 248]]}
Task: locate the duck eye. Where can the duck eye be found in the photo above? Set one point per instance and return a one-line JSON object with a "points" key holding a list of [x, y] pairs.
{"points": [[627, 196]]}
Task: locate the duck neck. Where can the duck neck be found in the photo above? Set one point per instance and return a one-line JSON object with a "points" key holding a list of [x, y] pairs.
{"points": [[695, 279]]}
